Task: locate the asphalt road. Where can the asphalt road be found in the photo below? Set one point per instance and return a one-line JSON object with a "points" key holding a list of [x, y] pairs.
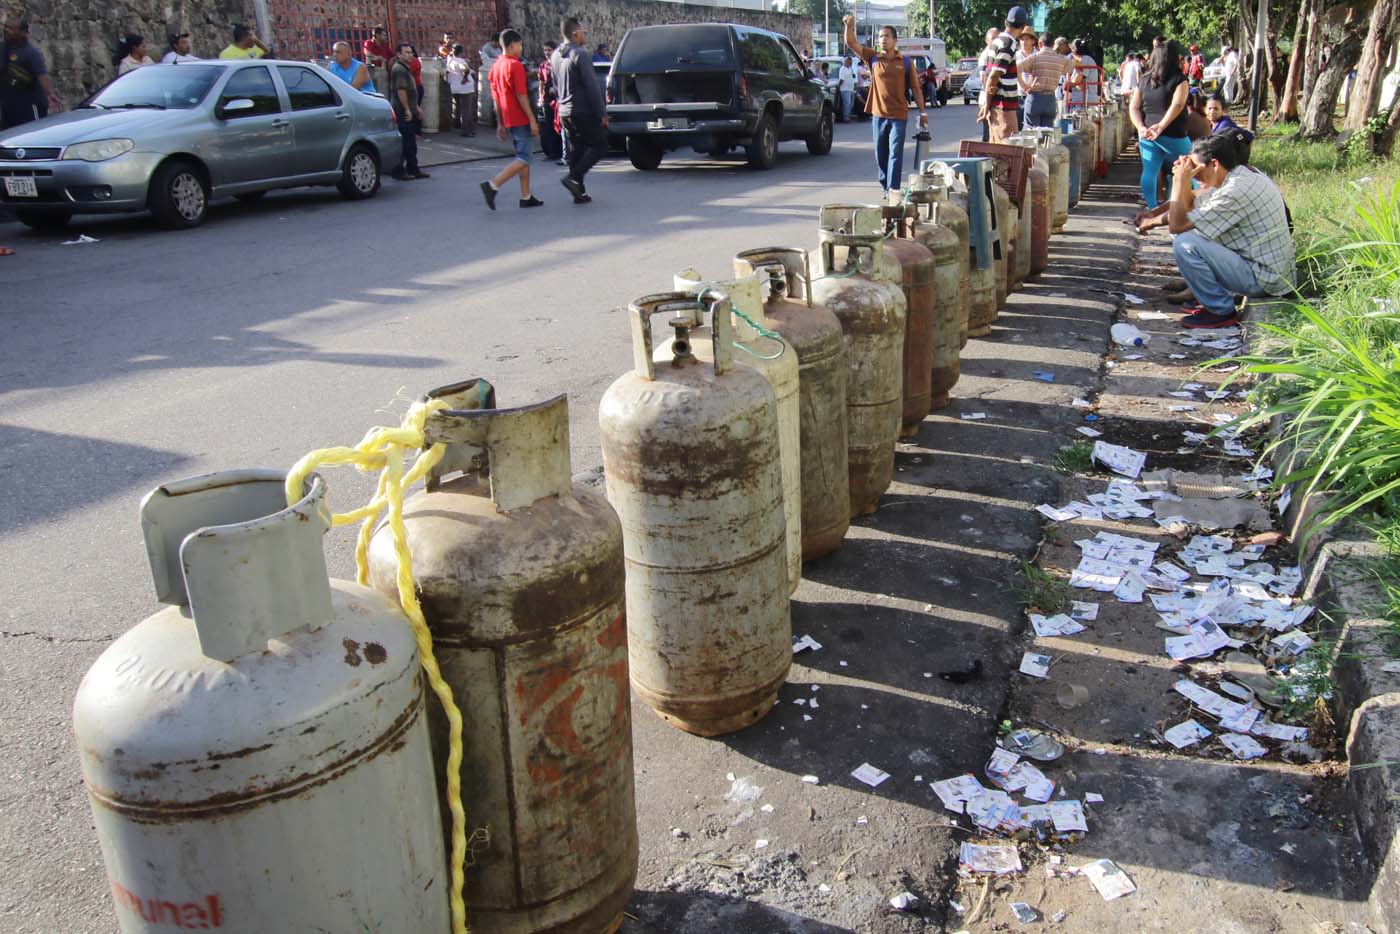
{"points": [[284, 326]]}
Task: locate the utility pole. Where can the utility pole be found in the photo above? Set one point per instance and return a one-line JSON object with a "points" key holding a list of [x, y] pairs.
{"points": [[932, 23], [826, 30], [1256, 83]]}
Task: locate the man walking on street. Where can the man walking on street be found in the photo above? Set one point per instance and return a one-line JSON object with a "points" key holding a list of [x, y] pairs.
{"points": [[846, 87], [1234, 239], [403, 96], [892, 77], [582, 110], [1001, 93], [26, 93], [515, 120]]}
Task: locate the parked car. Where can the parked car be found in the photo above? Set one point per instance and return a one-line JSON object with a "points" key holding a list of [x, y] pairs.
{"points": [[711, 87], [958, 76], [972, 88], [616, 143], [170, 138]]}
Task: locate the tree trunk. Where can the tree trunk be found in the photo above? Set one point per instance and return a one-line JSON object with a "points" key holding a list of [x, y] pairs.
{"points": [[1312, 49], [1316, 123], [1288, 113], [1366, 89], [1387, 141]]}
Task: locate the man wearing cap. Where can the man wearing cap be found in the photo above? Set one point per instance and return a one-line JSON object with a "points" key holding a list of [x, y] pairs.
{"points": [[1195, 66], [892, 77], [1001, 92]]}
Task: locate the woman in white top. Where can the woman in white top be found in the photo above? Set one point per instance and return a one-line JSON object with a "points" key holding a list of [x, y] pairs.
{"points": [[134, 54], [179, 50]]}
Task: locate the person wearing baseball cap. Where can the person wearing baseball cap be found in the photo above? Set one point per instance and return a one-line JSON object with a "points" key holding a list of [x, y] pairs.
{"points": [[1001, 91]]}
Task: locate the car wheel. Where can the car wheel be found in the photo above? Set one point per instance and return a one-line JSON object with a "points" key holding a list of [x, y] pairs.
{"points": [[645, 153], [360, 177], [819, 143], [178, 196], [763, 151], [44, 221], [250, 197]]}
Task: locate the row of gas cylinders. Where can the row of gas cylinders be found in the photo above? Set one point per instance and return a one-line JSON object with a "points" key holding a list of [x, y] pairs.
{"points": [[261, 755]]}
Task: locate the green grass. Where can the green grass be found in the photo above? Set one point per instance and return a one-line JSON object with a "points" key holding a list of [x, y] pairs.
{"points": [[1075, 458], [1040, 590]]}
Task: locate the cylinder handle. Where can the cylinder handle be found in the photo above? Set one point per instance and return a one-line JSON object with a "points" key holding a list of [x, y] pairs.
{"points": [[527, 447], [721, 327], [474, 393]]}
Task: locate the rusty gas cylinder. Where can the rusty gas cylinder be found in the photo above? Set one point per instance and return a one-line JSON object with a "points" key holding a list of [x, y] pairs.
{"points": [[770, 357], [1064, 192], [256, 753], [1038, 183], [1003, 232], [917, 275], [691, 460], [814, 334], [521, 582], [931, 192], [949, 312], [982, 280], [1024, 233], [852, 280]]}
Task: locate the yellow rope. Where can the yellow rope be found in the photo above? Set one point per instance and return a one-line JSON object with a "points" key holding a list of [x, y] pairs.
{"points": [[382, 450]]}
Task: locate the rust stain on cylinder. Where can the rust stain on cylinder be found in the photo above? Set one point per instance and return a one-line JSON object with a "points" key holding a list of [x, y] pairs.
{"points": [[1003, 233], [949, 320], [916, 266], [1040, 213]]}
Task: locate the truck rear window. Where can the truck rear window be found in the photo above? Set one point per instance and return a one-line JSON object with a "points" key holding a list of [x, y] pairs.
{"points": [[657, 49]]}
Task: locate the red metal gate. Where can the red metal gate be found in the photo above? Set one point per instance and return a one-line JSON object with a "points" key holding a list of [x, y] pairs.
{"points": [[306, 29]]}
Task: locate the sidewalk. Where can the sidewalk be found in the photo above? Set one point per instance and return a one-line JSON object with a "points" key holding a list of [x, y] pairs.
{"points": [[448, 147]]}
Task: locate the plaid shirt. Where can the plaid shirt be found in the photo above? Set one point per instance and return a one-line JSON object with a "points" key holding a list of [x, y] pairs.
{"points": [[1246, 215]]}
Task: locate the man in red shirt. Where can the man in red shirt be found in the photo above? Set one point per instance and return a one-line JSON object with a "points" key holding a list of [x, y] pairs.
{"points": [[515, 120], [378, 50]]}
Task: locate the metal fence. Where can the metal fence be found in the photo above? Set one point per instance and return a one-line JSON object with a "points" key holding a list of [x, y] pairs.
{"points": [[306, 29]]}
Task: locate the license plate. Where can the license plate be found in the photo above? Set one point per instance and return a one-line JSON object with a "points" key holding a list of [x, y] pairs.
{"points": [[21, 186], [669, 123]]}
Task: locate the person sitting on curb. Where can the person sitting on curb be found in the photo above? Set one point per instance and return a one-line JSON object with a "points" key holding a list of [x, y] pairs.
{"points": [[1231, 240]]}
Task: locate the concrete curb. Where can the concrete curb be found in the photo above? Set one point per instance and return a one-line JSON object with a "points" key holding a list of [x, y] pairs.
{"points": [[1367, 699]]}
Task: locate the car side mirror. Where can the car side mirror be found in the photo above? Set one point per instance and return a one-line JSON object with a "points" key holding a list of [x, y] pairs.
{"points": [[235, 107]]}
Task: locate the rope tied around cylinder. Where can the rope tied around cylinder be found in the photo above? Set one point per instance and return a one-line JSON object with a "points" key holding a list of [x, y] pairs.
{"points": [[760, 329], [382, 450]]}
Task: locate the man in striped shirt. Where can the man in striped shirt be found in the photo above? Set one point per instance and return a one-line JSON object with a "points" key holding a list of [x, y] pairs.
{"points": [[1001, 93]]}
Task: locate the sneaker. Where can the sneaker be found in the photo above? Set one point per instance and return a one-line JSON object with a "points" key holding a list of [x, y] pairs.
{"points": [[531, 202], [1204, 319], [489, 194], [419, 175], [575, 188]]}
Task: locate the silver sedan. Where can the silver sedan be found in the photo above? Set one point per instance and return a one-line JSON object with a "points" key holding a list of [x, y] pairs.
{"points": [[169, 138]]}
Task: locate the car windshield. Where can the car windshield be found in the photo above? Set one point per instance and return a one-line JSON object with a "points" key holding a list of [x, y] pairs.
{"points": [[654, 49], [158, 87]]}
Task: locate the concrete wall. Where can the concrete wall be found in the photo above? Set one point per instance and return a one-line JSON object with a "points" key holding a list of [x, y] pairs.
{"points": [[607, 20], [79, 37]]}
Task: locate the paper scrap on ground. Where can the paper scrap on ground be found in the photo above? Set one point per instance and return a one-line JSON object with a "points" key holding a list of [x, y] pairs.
{"points": [[1110, 881], [1001, 762], [1243, 747], [82, 238], [955, 792], [1056, 515], [870, 775], [1084, 611], [999, 860], [1186, 733], [1091, 797], [1035, 665], [972, 416], [1119, 459], [1044, 376], [1205, 638], [806, 642], [1068, 816], [1088, 432]]}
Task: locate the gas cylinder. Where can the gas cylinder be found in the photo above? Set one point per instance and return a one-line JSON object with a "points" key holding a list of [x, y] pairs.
{"points": [[1073, 142], [1022, 248], [433, 88], [256, 754], [778, 365], [917, 270], [1062, 183], [1004, 232], [852, 281], [1091, 161], [982, 298], [949, 287], [931, 193], [691, 460], [1038, 185], [814, 335], [521, 582]]}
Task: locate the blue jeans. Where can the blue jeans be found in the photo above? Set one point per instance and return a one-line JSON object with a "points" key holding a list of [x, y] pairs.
{"points": [[848, 99], [524, 143], [1041, 109], [889, 135], [1215, 273], [1157, 153]]}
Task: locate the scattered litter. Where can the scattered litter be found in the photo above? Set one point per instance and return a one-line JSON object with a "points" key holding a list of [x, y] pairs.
{"points": [[1088, 432], [1070, 696], [1056, 515], [767, 809], [82, 238], [972, 416], [1093, 797], [1082, 404], [760, 844], [811, 779], [806, 642], [1068, 816], [868, 774], [1110, 881], [1186, 733], [904, 901], [1033, 744], [1084, 611], [1035, 665], [1057, 625], [956, 792], [998, 860], [1125, 335], [1243, 747], [1204, 639], [1132, 356], [1025, 913], [1119, 459], [1181, 408], [1295, 641], [1132, 299], [1153, 316], [1182, 394]]}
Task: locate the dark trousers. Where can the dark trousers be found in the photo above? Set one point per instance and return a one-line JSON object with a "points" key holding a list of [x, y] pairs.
{"points": [[464, 112], [551, 144], [408, 133], [588, 142]]}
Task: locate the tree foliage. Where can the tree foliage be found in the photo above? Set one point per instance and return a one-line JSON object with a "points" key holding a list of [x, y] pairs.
{"points": [[816, 11], [961, 24]]}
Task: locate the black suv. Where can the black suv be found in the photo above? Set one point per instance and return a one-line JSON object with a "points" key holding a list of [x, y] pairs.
{"points": [[714, 86]]}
